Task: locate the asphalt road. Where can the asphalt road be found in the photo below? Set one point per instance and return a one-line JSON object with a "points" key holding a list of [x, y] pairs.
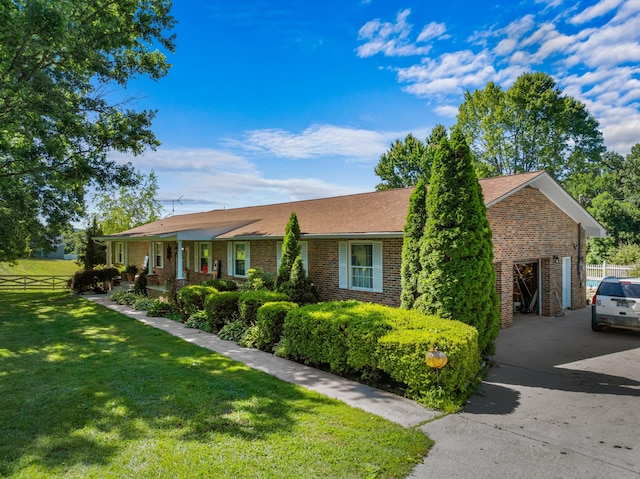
{"points": [[560, 402]]}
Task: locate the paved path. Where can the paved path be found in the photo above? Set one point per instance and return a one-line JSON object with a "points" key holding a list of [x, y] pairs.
{"points": [[561, 401]]}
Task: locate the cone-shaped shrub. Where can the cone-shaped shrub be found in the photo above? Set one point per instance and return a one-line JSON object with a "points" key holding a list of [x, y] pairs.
{"points": [[290, 249], [457, 280]]}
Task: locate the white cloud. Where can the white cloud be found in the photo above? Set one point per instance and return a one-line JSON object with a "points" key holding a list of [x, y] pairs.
{"points": [[392, 39], [601, 8], [448, 111], [432, 30], [596, 65], [319, 141]]}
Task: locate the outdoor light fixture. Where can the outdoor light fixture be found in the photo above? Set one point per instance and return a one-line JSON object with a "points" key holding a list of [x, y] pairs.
{"points": [[437, 360], [556, 259]]}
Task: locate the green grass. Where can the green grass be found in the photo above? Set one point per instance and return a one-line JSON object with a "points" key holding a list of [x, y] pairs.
{"points": [[53, 267], [86, 392]]}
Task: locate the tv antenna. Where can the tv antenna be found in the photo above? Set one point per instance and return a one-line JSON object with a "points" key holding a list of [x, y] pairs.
{"points": [[173, 204]]}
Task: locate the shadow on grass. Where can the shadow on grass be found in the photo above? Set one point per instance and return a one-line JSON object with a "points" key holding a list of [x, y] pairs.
{"points": [[77, 382]]}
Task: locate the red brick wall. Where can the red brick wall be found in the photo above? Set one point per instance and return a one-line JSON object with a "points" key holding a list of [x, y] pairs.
{"points": [[526, 227]]}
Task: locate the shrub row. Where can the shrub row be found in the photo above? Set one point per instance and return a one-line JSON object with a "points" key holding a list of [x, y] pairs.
{"points": [[349, 337], [88, 280]]}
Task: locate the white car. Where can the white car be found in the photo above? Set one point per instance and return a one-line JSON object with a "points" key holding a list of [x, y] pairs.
{"points": [[616, 304]]}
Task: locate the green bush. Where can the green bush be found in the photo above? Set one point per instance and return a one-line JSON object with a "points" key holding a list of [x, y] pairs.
{"points": [[198, 320], [402, 355], [221, 308], [351, 337], [258, 280], [91, 280], [221, 284], [250, 301], [125, 297], [143, 303], [233, 331], [269, 323], [140, 286], [162, 309], [191, 298]]}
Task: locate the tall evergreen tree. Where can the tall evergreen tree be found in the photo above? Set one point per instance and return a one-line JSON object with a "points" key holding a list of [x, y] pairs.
{"points": [[457, 280], [290, 249], [92, 254], [413, 232]]}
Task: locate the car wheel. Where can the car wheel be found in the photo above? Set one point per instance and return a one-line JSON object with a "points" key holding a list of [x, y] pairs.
{"points": [[598, 328]]}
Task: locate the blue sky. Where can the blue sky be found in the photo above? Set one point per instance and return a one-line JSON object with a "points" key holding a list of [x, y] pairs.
{"points": [[280, 100]]}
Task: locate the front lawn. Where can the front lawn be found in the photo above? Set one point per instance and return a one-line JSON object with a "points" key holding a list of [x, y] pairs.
{"points": [[87, 392]]}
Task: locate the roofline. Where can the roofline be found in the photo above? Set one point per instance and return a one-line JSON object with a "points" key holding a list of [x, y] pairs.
{"points": [[562, 199]]}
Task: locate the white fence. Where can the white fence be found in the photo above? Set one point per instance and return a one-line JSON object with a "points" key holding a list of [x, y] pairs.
{"points": [[599, 271]]}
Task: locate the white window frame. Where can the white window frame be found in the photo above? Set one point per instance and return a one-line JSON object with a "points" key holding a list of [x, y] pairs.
{"points": [[199, 258], [158, 254], [345, 268], [304, 253], [231, 258], [119, 253]]}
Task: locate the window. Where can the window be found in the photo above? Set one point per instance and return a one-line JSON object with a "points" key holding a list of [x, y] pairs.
{"points": [[238, 258], [158, 255], [205, 257], [119, 254], [360, 265], [304, 249]]}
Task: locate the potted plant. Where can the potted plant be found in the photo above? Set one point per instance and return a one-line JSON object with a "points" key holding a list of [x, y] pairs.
{"points": [[130, 271]]}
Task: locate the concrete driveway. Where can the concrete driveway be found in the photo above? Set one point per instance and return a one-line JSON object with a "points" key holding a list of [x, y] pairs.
{"points": [[561, 402]]}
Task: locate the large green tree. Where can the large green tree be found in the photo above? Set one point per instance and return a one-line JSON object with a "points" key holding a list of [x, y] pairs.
{"points": [[531, 126], [457, 280], [408, 160], [129, 206], [62, 64]]}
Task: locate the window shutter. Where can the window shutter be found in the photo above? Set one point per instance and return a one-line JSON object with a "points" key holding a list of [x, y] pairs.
{"points": [[247, 261], [343, 270], [230, 261], [278, 255], [377, 266], [304, 253]]}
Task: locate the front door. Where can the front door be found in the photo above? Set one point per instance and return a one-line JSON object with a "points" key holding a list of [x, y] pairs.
{"points": [[566, 282]]}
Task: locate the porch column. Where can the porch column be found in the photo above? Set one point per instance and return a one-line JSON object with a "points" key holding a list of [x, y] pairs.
{"points": [[151, 258], [179, 274], [109, 254]]}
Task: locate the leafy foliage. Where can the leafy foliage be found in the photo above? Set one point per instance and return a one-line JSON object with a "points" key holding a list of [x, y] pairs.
{"points": [[129, 206], [250, 301], [290, 249], [92, 253], [531, 126], [257, 280], [221, 284], [58, 122], [91, 280], [408, 161], [413, 233], [300, 289], [269, 323], [222, 308], [458, 280], [191, 298]]}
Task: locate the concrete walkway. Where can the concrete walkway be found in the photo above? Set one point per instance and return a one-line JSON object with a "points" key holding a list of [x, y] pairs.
{"points": [[561, 401], [381, 403]]}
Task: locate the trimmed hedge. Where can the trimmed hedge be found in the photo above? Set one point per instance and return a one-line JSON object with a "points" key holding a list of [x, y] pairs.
{"points": [[250, 302], [350, 337], [402, 355], [221, 308], [191, 298], [269, 323]]}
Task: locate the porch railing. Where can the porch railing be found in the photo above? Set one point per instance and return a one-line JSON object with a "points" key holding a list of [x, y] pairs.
{"points": [[12, 282]]}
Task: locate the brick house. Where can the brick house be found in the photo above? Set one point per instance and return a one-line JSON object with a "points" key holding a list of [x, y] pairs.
{"points": [[351, 245]]}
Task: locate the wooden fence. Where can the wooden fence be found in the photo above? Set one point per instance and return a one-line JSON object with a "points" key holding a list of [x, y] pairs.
{"points": [[12, 282]]}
